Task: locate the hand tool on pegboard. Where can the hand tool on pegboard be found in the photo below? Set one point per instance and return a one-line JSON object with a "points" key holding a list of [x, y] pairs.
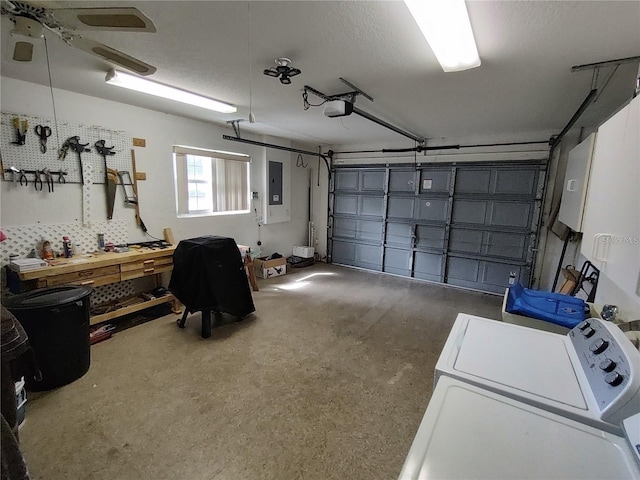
{"points": [[74, 144], [43, 132], [110, 176], [49, 178], [21, 127], [15, 173]]}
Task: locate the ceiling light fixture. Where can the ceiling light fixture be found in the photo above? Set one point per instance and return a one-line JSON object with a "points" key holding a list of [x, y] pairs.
{"points": [[143, 85], [445, 25]]}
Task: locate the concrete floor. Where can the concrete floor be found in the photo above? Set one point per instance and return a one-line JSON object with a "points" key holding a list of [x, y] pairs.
{"points": [[329, 379]]}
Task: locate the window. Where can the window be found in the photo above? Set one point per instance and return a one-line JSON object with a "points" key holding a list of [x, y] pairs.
{"points": [[210, 182]]}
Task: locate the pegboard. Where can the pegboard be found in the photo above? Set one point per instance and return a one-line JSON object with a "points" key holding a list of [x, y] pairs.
{"points": [[30, 157], [21, 239]]}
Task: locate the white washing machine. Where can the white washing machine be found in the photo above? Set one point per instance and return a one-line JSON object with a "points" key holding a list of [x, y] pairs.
{"points": [[472, 433], [591, 374]]}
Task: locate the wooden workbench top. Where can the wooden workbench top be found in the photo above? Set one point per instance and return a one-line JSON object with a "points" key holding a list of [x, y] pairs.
{"points": [[60, 266]]}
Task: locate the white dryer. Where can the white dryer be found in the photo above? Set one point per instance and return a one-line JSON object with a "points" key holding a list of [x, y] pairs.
{"points": [[468, 432], [591, 375]]}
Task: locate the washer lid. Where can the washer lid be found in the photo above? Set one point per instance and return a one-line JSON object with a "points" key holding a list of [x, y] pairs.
{"points": [[47, 297], [469, 432], [528, 360]]}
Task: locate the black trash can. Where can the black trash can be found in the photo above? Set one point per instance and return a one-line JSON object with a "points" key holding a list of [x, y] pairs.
{"points": [[56, 321]]}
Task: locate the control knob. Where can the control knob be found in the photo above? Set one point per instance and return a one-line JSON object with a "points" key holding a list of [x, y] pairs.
{"points": [[584, 324], [607, 365], [614, 379], [588, 332], [599, 346]]}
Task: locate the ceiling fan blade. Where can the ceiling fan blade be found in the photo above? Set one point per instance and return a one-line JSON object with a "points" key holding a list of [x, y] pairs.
{"points": [[23, 52], [271, 72], [112, 55], [124, 19], [293, 72]]}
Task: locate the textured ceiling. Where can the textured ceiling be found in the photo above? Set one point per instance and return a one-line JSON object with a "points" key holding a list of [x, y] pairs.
{"points": [[524, 84]]}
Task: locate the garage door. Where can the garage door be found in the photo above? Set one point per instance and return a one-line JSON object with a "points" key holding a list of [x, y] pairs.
{"points": [[470, 225]]}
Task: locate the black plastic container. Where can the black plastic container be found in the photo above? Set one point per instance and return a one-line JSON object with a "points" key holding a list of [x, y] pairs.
{"points": [[57, 322]]}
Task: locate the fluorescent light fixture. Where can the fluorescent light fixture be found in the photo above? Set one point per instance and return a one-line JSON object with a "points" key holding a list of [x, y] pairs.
{"points": [[143, 85], [446, 26]]}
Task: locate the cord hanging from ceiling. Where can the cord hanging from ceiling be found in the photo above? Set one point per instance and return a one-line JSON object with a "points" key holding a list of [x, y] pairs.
{"points": [[252, 117], [53, 101]]}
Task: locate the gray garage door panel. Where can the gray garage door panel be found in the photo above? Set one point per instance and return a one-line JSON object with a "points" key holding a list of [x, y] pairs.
{"points": [[432, 209], [369, 256], [484, 275], [402, 181], [518, 182], [345, 205], [465, 241], [344, 228], [492, 213], [347, 180], [399, 234], [515, 215], [435, 181], [359, 255], [349, 228], [430, 237], [400, 208], [497, 181], [495, 244], [507, 245], [359, 205], [344, 252], [473, 181], [372, 206], [397, 261], [428, 266], [373, 180]]}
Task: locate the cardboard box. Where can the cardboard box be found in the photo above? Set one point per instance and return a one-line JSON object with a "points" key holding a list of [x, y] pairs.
{"points": [[270, 268]]}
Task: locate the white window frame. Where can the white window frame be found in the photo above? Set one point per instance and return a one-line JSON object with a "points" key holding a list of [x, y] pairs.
{"points": [[219, 160]]}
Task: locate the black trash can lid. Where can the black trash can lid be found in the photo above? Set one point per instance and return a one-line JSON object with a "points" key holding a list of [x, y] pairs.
{"points": [[47, 297]]}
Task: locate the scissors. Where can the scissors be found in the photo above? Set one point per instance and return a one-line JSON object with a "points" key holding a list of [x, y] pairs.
{"points": [[43, 132], [37, 180]]}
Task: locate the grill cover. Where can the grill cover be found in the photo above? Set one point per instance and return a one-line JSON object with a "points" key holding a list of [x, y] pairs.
{"points": [[208, 274]]}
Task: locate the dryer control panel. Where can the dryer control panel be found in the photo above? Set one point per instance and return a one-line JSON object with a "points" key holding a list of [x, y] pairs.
{"points": [[611, 364]]}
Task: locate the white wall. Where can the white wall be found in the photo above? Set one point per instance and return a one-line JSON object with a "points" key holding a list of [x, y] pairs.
{"points": [[156, 195]]}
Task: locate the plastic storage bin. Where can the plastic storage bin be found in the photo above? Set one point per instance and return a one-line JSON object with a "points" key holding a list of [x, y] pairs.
{"points": [[56, 321]]}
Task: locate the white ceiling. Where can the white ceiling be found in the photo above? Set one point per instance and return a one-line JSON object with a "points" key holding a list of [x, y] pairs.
{"points": [[524, 84]]}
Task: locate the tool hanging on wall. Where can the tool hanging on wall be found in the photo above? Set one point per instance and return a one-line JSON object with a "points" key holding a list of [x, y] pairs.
{"points": [[43, 132], [15, 174], [80, 148], [49, 178], [129, 193], [110, 176], [21, 127]]}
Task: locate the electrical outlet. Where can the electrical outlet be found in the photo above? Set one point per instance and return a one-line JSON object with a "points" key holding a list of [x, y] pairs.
{"points": [[254, 195]]}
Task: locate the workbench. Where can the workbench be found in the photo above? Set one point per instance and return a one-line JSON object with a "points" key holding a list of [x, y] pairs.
{"points": [[106, 268]]}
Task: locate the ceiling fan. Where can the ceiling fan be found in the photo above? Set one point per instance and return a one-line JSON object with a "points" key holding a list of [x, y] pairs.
{"points": [[31, 19], [283, 70]]}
